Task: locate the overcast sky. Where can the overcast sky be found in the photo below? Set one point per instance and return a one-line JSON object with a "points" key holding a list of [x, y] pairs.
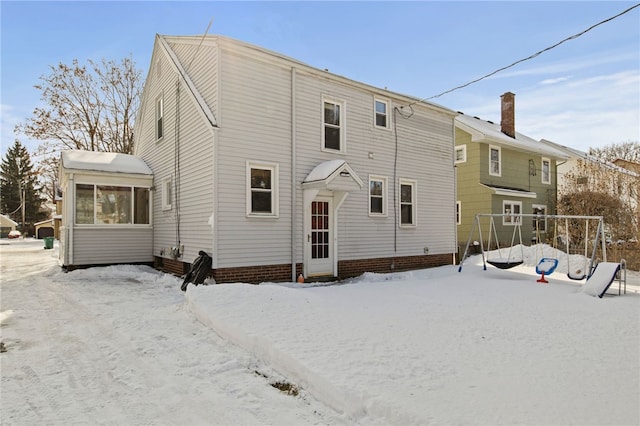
{"points": [[583, 93]]}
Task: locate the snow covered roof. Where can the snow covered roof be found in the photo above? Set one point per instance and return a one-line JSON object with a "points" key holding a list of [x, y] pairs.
{"points": [[8, 220], [111, 162], [482, 130], [323, 170], [334, 175]]}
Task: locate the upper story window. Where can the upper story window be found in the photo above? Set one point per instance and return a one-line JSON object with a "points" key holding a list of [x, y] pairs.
{"points": [[381, 118], [461, 154], [109, 204], [333, 125], [407, 203], [167, 193], [513, 209], [546, 170], [495, 161], [262, 189], [377, 196], [159, 117]]}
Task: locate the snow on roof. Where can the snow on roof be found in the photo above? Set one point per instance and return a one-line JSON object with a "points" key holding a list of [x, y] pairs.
{"points": [[493, 132], [7, 219], [323, 170], [104, 162]]}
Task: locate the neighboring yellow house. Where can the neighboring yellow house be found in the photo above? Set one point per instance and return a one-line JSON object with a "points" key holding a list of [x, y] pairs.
{"points": [[501, 171], [6, 225]]}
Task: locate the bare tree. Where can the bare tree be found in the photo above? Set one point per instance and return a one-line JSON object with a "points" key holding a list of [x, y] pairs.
{"points": [[599, 188], [87, 107], [629, 151]]}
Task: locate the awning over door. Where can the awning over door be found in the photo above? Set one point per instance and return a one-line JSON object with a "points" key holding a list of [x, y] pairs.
{"points": [[333, 175]]}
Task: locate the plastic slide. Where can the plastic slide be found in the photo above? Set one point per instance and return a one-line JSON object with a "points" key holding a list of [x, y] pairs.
{"points": [[603, 276]]}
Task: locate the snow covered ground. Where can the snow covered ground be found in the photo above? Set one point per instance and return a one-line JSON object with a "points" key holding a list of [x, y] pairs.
{"points": [[123, 345]]}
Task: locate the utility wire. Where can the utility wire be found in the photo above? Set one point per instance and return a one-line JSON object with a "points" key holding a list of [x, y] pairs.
{"points": [[528, 57]]}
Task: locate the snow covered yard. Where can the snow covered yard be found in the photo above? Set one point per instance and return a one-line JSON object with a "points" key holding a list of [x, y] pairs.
{"points": [[122, 345]]}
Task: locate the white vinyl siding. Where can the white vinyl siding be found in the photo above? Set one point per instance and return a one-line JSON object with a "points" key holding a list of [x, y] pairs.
{"points": [[377, 196], [109, 245], [262, 189], [238, 82], [546, 171], [194, 148], [495, 161]]}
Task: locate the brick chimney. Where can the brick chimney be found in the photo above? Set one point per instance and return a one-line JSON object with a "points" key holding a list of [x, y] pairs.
{"points": [[508, 120]]}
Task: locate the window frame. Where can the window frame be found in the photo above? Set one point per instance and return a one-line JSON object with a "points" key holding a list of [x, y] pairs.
{"points": [[274, 168], [167, 193], [384, 196], [341, 126], [497, 148], [414, 202], [386, 114], [506, 220], [542, 173], [535, 221], [159, 121], [462, 148], [131, 190]]}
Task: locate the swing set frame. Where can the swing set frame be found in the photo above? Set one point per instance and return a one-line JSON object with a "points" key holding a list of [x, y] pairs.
{"points": [[516, 220]]}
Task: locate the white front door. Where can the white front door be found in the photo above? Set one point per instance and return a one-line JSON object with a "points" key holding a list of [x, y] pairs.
{"points": [[319, 238]]}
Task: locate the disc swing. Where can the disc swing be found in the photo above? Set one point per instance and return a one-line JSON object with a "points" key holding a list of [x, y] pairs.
{"points": [[578, 274], [508, 262], [547, 265]]}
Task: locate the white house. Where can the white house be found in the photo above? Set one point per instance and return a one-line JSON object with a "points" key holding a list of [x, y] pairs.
{"points": [[105, 209], [276, 168], [6, 225], [271, 166]]}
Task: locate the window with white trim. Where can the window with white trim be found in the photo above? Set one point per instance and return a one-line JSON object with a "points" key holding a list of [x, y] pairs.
{"points": [[514, 210], [333, 125], [458, 212], [546, 170], [167, 193], [407, 202], [495, 163], [461, 154], [111, 205], [381, 114], [159, 117], [377, 196], [539, 223], [262, 189]]}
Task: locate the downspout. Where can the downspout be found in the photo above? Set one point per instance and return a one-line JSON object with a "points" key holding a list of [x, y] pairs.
{"points": [[455, 194], [72, 223], [293, 175]]}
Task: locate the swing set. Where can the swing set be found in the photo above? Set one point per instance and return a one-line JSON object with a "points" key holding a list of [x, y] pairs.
{"points": [[575, 236]]}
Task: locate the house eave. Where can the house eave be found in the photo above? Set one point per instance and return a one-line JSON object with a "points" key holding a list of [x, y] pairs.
{"points": [[510, 192]]}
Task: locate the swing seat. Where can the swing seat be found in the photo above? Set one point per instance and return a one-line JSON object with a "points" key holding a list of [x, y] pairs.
{"points": [[546, 265], [504, 263], [576, 277]]}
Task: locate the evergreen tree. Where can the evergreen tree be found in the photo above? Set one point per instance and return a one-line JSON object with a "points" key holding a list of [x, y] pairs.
{"points": [[17, 181]]}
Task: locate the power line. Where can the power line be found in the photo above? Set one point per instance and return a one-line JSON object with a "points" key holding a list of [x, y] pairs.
{"points": [[528, 57]]}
